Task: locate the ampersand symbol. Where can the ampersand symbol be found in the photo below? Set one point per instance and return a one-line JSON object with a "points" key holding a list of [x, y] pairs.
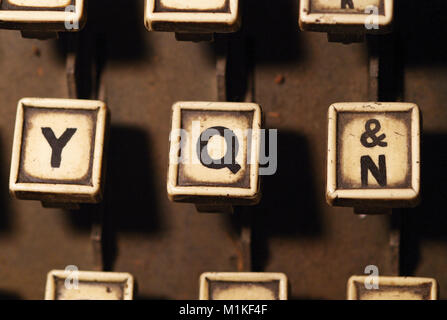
{"points": [[370, 132]]}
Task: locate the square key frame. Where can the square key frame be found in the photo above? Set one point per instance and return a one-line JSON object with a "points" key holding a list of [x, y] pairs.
{"points": [[190, 180], [329, 16], [382, 173], [243, 286], [91, 285], [192, 16], [44, 16], [68, 173], [392, 288]]}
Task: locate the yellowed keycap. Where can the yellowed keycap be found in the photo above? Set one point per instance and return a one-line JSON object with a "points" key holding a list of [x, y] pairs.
{"points": [[214, 154], [391, 288], [346, 16], [58, 150], [42, 16], [88, 285], [40, 3], [243, 286], [373, 155], [192, 16]]}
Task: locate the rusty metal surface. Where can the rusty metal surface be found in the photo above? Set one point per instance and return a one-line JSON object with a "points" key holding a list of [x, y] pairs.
{"points": [[166, 246]]}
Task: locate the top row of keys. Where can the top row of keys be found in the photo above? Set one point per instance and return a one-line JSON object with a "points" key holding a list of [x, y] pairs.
{"points": [[195, 18]]}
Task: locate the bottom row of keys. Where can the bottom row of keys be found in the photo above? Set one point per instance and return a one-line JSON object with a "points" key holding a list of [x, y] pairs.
{"points": [[89, 285]]}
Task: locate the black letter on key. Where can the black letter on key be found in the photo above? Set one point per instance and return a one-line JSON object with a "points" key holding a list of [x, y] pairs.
{"points": [[57, 144], [379, 173], [229, 160], [345, 3]]}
